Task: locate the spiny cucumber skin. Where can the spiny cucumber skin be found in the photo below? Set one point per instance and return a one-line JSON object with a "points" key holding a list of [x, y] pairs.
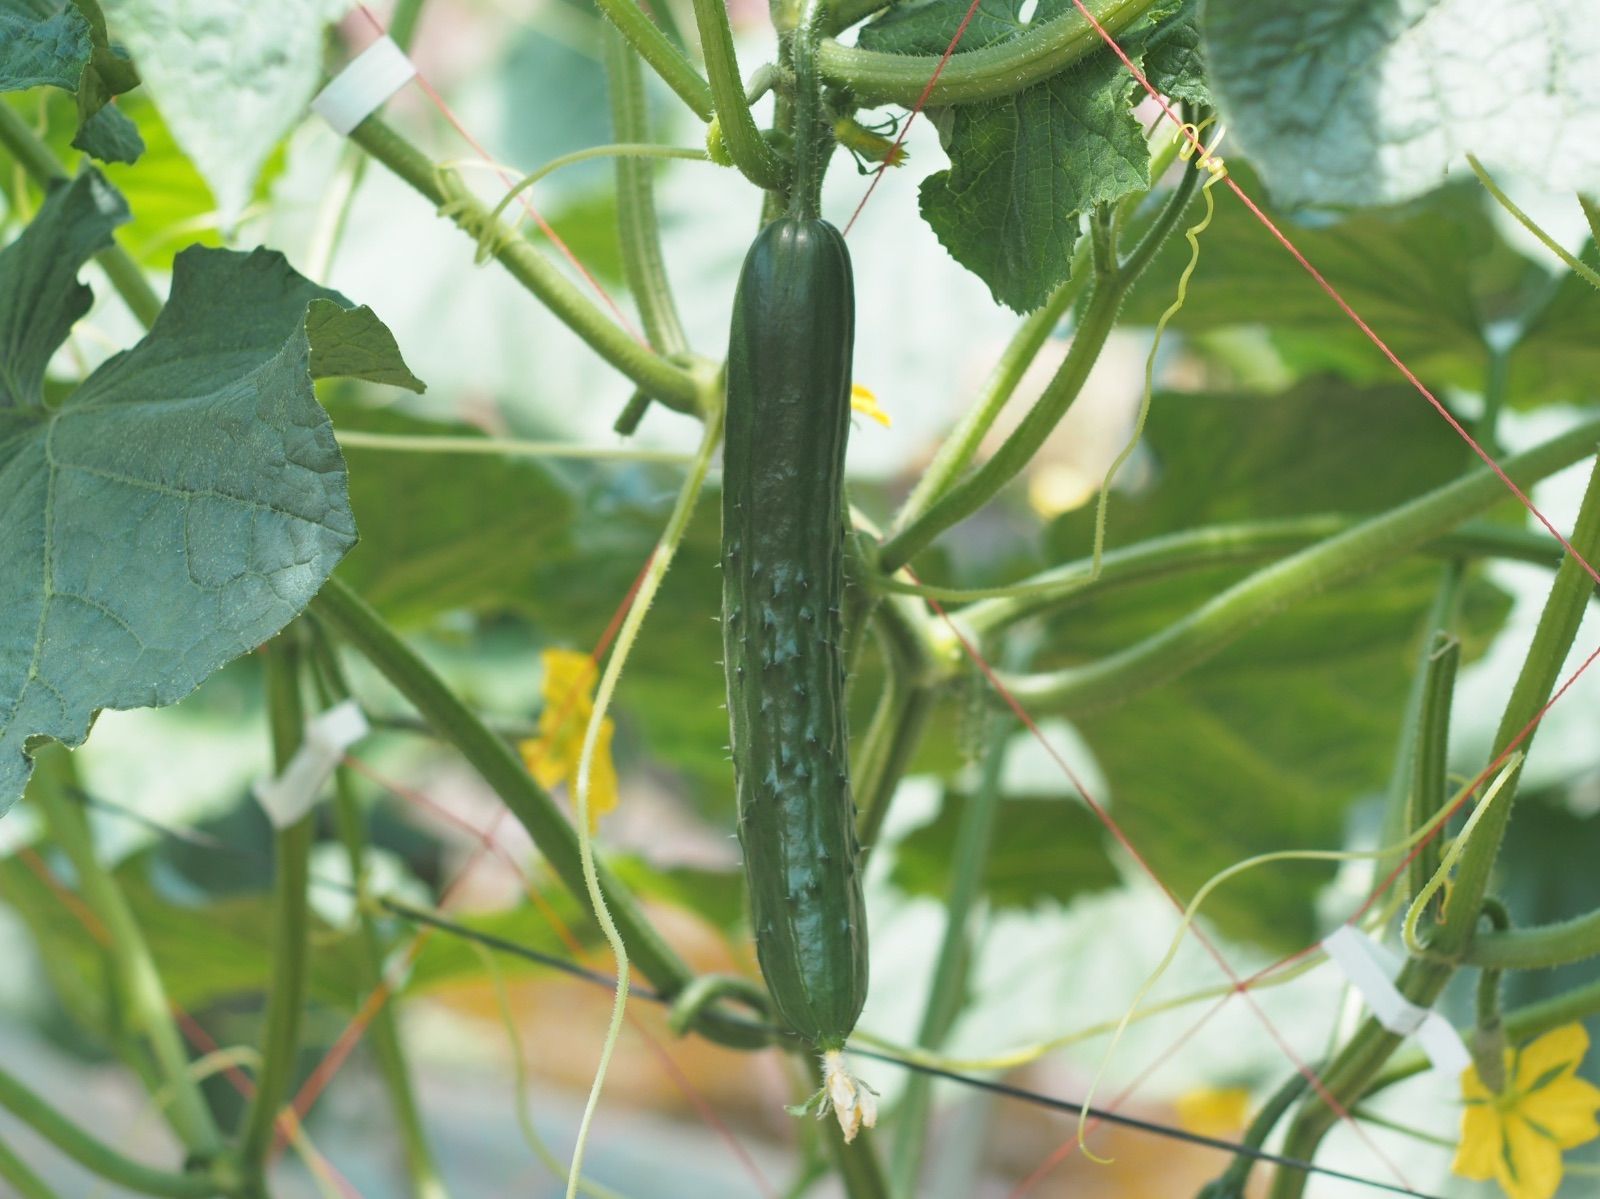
{"points": [[788, 417]]}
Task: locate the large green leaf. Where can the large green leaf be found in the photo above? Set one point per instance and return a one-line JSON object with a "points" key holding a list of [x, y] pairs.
{"points": [[207, 952], [48, 47], [230, 81], [1024, 168], [1043, 850], [1429, 278], [1351, 102], [174, 511], [1267, 745], [60, 44]]}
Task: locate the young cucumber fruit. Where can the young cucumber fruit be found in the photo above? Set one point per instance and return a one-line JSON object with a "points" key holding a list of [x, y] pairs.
{"points": [[788, 415]]}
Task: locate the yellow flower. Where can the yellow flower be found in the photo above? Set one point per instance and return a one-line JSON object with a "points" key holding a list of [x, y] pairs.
{"points": [[1213, 1111], [552, 757], [1516, 1137], [864, 402]]}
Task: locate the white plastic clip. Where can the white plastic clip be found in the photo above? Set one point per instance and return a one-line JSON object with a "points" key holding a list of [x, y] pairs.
{"points": [[359, 90], [288, 797], [1358, 957]]}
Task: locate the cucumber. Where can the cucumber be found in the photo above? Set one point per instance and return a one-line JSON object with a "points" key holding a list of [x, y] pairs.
{"points": [[788, 417]]}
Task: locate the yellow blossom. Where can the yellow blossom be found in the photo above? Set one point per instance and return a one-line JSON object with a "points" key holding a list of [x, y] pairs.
{"points": [[1516, 1137], [866, 403], [552, 757], [1214, 1111]]}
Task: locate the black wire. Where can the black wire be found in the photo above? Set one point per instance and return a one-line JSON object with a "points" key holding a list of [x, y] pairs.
{"points": [[599, 978]]}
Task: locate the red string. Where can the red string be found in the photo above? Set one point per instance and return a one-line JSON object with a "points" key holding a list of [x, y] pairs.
{"points": [[905, 126], [522, 196]]}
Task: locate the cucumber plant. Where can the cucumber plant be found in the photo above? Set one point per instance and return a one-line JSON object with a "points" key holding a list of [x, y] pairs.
{"points": [[1279, 642]]}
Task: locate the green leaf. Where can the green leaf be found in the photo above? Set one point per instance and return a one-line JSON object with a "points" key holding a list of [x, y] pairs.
{"points": [[437, 532], [1429, 277], [353, 343], [1557, 358], [57, 44], [1025, 167], [206, 954], [108, 135], [1266, 746], [1044, 850], [229, 86], [41, 50], [1350, 102], [1174, 62], [178, 508]]}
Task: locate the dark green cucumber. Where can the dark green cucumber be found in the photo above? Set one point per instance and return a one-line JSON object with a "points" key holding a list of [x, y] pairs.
{"points": [[788, 415]]}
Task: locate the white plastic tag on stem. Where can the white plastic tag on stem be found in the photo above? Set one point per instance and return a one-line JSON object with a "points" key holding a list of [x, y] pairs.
{"points": [[1358, 957], [288, 797], [359, 90]]}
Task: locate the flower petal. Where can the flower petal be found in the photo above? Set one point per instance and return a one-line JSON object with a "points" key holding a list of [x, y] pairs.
{"points": [[1565, 1110], [1557, 1052], [866, 403], [1479, 1150], [1530, 1167]]}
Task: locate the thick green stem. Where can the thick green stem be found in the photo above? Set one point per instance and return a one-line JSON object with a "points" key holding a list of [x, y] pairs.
{"points": [[1429, 782], [977, 489], [812, 131], [952, 967], [842, 14], [750, 151], [902, 715], [291, 920], [663, 55], [958, 449], [366, 632], [95, 1156], [1074, 583], [1232, 1182], [148, 1011], [25, 1184], [1350, 1075], [1538, 947], [638, 231], [383, 1030], [1569, 598], [1246, 604], [673, 385], [1111, 283], [34, 157], [875, 77]]}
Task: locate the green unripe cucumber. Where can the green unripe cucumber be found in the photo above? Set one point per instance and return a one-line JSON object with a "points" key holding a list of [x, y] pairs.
{"points": [[788, 416]]}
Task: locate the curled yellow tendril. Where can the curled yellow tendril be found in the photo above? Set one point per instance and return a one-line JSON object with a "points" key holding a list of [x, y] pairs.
{"points": [[1211, 163]]}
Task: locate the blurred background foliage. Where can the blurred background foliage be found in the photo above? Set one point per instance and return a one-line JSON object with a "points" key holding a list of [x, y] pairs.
{"points": [[1270, 403]]}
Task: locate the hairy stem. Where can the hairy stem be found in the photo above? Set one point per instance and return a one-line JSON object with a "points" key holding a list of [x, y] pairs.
{"points": [[383, 1030], [957, 450], [148, 1010], [637, 228], [876, 77], [1237, 610], [751, 153], [291, 920], [673, 385], [1111, 283], [952, 967], [96, 1156], [1569, 598], [663, 55], [366, 632], [990, 610]]}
